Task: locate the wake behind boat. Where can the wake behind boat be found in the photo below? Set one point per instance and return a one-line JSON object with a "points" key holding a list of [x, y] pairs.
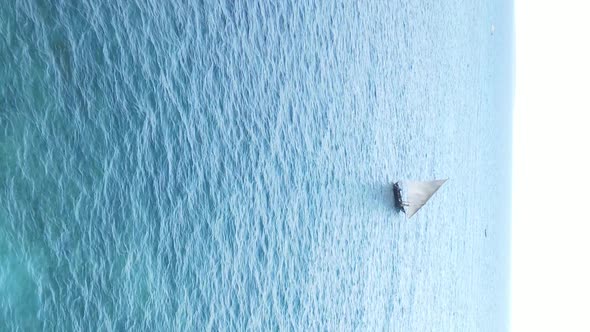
{"points": [[410, 196]]}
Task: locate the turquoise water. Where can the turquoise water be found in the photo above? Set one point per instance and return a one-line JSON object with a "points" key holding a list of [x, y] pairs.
{"points": [[191, 165]]}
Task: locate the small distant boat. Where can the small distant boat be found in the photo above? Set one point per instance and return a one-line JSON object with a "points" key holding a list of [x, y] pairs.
{"points": [[493, 29], [410, 196]]}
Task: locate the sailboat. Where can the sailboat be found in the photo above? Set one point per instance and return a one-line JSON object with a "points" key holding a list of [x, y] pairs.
{"points": [[410, 196]]}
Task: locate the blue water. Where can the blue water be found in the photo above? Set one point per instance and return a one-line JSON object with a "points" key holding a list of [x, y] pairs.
{"points": [[227, 165]]}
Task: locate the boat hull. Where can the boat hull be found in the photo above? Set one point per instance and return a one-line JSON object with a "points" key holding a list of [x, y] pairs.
{"points": [[397, 195]]}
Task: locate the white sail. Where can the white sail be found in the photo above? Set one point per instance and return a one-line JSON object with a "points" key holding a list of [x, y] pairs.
{"points": [[418, 193]]}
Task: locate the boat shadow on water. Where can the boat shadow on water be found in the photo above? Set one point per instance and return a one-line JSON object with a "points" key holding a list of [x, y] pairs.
{"points": [[382, 195]]}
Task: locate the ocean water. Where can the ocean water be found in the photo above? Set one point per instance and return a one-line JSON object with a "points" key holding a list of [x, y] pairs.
{"points": [[190, 165]]}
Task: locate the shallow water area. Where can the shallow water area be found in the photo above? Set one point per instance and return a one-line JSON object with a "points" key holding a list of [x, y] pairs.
{"points": [[185, 165]]}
